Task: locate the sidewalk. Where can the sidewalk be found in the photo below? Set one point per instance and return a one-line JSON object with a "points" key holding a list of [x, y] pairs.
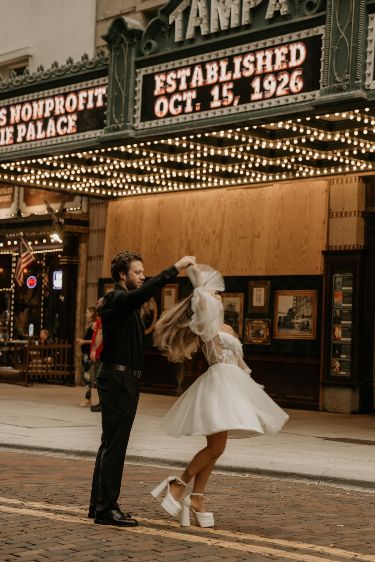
{"points": [[321, 446]]}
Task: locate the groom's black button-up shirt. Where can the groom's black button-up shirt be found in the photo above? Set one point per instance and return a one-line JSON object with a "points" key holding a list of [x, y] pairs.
{"points": [[123, 328]]}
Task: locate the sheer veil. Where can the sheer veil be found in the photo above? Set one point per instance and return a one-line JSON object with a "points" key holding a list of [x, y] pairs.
{"points": [[180, 329]]}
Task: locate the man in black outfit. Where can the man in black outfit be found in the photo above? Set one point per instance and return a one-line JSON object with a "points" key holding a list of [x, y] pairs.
{"points": [[118, 376]]}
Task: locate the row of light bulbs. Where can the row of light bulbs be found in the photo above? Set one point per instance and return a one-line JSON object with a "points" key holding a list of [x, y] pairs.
{"points": [[116, 177]]}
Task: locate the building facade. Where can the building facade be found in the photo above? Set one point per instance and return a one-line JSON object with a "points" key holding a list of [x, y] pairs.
{"points": [[242, 133]]}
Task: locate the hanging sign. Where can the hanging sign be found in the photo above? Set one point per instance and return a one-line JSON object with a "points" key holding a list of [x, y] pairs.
{"points": [[280, 71], [49, 117]]}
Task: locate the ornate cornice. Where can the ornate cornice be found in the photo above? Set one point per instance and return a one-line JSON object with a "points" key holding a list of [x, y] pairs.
{"points": [[69, 69]]}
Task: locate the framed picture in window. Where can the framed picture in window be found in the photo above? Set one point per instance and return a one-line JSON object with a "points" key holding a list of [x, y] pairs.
{"points": [[233, 311], [259, 296], [295, 315]]}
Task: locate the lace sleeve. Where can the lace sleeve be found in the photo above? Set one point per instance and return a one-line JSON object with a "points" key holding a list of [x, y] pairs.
{"points": [[207, 315]]}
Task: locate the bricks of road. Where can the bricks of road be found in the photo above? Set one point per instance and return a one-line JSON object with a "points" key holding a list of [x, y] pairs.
{"points": [[277, 519]]}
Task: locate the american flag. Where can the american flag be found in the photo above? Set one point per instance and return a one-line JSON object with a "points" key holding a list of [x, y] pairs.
{"points": [[26, 257]]}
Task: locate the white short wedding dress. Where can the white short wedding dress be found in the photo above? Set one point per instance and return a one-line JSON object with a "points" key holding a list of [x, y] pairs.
{"points": [[225, 397]]}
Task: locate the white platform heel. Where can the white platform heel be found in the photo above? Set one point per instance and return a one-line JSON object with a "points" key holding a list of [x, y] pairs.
{"points": [[202, 518], [169, 503]]}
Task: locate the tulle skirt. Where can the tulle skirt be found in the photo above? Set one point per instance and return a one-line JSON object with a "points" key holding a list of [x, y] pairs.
{"points": [[224, 398]]}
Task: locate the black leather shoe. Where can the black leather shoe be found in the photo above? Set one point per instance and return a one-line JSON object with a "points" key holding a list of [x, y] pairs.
{"points": [[92, 511], [115, 518], [96, 408]]}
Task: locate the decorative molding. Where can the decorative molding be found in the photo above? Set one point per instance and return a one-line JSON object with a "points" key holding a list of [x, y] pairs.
{"points": [[344, 46], [71, 68], [123, 38]]}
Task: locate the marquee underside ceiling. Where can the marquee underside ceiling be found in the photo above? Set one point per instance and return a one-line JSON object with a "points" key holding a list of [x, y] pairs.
{"points": [[306, 147]]}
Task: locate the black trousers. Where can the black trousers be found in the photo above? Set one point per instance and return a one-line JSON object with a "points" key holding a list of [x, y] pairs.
{"points": [[118, 394]]}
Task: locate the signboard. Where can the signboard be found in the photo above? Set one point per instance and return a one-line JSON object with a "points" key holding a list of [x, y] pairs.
{"points": [[57, 280], [204, 17], [31, 282], [53, 116], [279, 71]]}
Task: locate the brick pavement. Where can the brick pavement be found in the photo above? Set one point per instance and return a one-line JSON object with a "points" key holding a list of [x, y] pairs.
{"points": [[43, 508]]}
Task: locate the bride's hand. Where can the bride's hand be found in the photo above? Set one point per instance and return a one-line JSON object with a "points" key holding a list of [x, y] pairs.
{"points": [[185, 262]]}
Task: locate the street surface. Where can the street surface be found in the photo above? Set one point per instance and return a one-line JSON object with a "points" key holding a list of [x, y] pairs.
{"points": [[43, 506]]}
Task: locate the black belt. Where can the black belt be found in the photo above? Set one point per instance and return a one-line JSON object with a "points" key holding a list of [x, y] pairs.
{"points": [[123, 368]]}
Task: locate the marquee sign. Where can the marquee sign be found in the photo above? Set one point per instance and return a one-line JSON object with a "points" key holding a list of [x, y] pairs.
{"points": [[279, 71], [53, 116]]}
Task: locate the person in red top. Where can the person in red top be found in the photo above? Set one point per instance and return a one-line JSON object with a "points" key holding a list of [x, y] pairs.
{"points": [[96, 349]]}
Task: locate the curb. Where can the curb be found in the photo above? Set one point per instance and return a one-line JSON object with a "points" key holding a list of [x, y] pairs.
{"points": [[226, 469]]}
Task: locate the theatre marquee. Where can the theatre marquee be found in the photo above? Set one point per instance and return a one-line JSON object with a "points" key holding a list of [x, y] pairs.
{"points": [[282, 70]]}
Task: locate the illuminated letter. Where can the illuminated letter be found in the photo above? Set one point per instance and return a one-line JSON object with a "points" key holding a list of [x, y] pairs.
{"points": [[38, 107], [159, 84], [264, 61], [6, 136], [173, 107], [90, 98], [59, 105], [197, 78], [176, 17], [161, 107], [221, 12], [82, 98], [171, 81], [247, 5], [71, 102], [31, 133], [48, 106], [280, 58], [237, 67], [72, 124], [26, 111], [188, 97], [248, 64], [61, 125], [225, 75], [3, 116], [15, 114], [100, 93], [51, 128], [277, 6], [21, 132], [297, 54], [212, 72], [198, 18], [182, 75], [40, 133]]}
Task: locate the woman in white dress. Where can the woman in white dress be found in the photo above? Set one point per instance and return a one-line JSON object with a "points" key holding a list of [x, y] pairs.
{"points": [[223, 402]]}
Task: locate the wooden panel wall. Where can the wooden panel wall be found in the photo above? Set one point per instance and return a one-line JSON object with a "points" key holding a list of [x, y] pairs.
{"points": [[275, 229]]}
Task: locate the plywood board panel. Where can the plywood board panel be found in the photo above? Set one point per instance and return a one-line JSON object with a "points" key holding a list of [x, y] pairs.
{"points": [[276, 229]]}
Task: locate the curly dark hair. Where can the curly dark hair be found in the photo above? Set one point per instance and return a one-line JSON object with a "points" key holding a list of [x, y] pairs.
{"points": [[121, 263]]}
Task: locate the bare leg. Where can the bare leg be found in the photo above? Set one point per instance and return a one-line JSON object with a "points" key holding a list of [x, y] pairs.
{"points": [[200, 468]]}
